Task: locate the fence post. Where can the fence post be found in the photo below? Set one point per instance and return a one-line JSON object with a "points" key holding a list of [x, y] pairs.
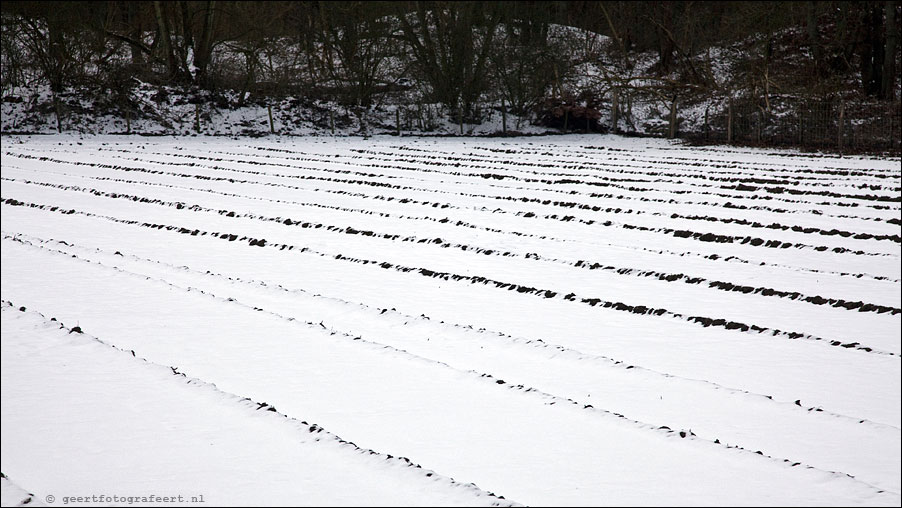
{"points": [[894, 127], [629, 108], [332, 121], [758, 127], [730, 121], [196, 117], [503, 117], [839, 127], [801, 130], [615, 110], [128, 121], [673, 117], [460, 117], [272, 128], [398, 120], [56, 105]]}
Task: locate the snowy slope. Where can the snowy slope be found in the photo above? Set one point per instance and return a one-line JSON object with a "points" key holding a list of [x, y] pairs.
{"points": [[589, 320]]}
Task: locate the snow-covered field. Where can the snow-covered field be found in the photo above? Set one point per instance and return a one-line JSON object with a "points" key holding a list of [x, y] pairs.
{"points": [[581, 320]]}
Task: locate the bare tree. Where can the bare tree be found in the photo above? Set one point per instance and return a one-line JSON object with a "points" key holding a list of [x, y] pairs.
{"points": [[524, 60], [888, 89], [356, 41], [450, 43]]}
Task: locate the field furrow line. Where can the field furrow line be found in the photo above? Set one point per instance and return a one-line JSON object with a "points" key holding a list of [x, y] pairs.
{"points": [[745, 240], [506, 196], [362, 312], [721, 285], [703, 321], [332, 334]]}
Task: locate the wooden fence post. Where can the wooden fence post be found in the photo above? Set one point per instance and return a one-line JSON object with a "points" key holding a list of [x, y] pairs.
{"points": [[673, 117], [839, 127], [730, 121], [332, 121], [460, 117], [758, 127], [801, 130], [272, 127], [629, 108], [196, 117], [398, 120], [503, 117], [56, 106], [615, 111]]}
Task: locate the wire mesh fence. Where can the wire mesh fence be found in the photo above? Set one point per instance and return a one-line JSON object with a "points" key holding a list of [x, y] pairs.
{"points": [[817, 124], [837, 125]]}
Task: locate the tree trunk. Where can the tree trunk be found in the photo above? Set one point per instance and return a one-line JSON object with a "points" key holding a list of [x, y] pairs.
{"points": [[872, 54], [204, 48], [134, 23], [165, 38], [888, 88], [187, 28], [662, 29], [56, 57], [817, 51]]}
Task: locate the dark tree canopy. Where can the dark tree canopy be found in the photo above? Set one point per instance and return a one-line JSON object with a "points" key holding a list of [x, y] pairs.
{"points": [[457, 53]]}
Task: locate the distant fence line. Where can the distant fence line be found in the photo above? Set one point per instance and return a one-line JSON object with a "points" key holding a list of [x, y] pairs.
{"points": [[835, 125], [844, 126]]}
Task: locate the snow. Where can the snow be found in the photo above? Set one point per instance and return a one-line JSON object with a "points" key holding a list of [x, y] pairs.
{"points": [[166, 110], [13, 495], [485, 308], [217, 445]]}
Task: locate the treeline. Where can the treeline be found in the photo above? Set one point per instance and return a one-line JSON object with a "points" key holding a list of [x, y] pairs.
{"points": [[453, 53]]}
